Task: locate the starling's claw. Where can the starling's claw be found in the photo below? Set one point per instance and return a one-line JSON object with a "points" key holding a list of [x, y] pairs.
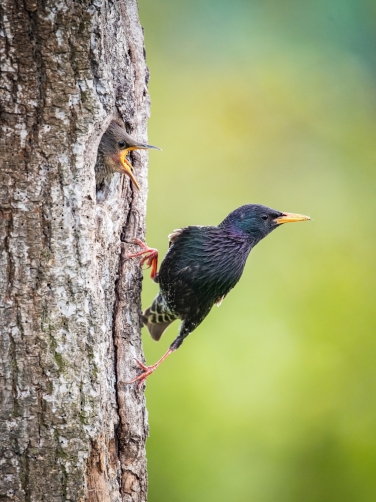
{"points": [[150, 258], [141, 365], [141, 381], [148, 370], [141, 378]]}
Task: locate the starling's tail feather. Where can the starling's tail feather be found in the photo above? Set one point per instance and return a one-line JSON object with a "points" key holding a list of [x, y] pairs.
{"points": [[155, 330], [157, 318]]}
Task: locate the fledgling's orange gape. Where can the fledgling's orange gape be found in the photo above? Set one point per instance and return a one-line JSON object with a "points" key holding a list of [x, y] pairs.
{"points": [[114, 147], [200, 268]]}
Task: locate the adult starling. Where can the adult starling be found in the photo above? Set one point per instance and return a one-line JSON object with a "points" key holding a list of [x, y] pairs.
{"points": [[200, 268], [114, 147]]}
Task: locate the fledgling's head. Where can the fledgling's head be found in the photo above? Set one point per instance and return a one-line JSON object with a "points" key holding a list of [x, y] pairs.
{"points": [[115, 145], [256, 221], [116, 139]]}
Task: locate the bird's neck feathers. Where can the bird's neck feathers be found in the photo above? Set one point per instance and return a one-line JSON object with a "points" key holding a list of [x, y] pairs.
{"points": [[242, 235]]}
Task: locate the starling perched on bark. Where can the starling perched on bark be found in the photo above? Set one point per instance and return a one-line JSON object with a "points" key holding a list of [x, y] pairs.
{"points": [[200, 268], [114, 147]]}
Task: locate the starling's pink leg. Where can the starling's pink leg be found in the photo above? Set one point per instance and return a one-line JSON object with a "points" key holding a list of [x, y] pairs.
{"points": [[148, 370], [150, 258]]}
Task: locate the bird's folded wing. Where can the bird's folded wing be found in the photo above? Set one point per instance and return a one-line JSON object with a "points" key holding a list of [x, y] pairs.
{"points": [[178, 231], [175, 234]]}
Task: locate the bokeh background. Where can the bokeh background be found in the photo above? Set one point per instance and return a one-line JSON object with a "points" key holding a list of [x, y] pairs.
{"points": [[273, 397]]}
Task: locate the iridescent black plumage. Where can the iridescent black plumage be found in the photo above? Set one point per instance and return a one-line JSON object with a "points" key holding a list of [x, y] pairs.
{"points": [[200, 268], [202, 265]]}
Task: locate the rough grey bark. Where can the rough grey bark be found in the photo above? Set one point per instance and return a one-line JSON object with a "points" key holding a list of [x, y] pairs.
{"points": [[69, 305]]}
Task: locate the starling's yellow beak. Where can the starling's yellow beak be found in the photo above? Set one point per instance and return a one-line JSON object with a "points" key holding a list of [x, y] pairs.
{"points": [[127, 166], [291, 218]]}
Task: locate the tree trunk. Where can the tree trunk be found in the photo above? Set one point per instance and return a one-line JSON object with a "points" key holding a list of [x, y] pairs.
{"points": [[70, 429]]}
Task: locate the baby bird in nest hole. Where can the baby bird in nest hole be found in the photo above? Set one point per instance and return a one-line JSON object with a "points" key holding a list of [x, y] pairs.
{"points": [[114, 147]]}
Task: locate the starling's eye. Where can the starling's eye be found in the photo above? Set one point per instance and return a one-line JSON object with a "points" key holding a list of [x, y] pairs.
{"points": [[264, 217], [121, 144]]}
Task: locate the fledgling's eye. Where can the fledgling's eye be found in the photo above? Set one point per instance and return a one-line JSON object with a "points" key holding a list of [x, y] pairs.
{"points": [[264, 217], [121, 144]]}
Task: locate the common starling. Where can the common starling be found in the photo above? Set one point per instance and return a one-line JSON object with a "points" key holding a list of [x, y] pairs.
{"points": [[200, 268], [114, 147]]}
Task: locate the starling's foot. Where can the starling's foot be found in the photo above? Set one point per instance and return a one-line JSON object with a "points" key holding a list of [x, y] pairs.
{"points": [[148, 370], [150, 258]]}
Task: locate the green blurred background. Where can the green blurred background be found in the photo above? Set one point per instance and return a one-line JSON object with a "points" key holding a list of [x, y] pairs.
{"points": [[273, 397]]}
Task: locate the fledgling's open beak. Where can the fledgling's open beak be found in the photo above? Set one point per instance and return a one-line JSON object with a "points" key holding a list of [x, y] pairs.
{"points": [[291, 218], [126, 165], [128, 168]]}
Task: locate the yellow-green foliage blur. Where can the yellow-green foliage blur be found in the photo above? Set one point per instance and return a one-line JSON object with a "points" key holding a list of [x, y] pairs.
{"points": [[273, 397]]}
